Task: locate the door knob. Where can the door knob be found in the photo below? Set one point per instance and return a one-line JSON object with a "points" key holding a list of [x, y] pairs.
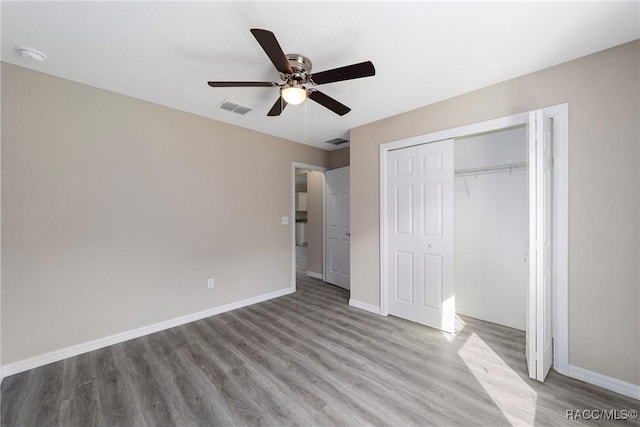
{"points": [[348, 234], [429, 245]]}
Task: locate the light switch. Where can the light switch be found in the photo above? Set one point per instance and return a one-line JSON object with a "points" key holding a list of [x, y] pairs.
{"points": [[285, 220]]}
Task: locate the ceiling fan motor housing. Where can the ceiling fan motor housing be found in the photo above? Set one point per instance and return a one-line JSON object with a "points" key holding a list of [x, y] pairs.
{"points": [[301, 66]]}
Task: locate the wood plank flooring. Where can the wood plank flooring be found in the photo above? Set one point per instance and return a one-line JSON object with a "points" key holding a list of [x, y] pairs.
{"points": [[303, 359]]}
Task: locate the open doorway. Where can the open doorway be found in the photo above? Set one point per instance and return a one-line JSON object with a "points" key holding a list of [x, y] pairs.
{"points": [[301, 220], [307, 225], [309, 220], [490, 226]]}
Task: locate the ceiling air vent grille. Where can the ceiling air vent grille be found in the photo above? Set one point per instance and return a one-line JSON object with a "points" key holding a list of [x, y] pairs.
{"points": [[234, 108], [336, 141]]}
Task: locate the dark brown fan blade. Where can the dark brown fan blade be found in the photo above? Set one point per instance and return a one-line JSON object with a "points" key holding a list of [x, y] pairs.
{"points": [[277, 107], [242, 84], [355, 71], [329, 102], [273, 50]]}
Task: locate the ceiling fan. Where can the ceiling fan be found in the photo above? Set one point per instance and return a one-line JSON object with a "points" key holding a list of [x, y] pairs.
{"points": [[298, 82]]}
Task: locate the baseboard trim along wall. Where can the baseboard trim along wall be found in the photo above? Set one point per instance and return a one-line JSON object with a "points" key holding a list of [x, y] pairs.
{"points": [[64, 353], [364, 306], [613, 384], [315, 275]]}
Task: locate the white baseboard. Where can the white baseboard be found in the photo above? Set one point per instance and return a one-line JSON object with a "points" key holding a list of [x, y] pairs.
{"points": [[315, 275], [364, 306], [56, 355], [613, 384]]}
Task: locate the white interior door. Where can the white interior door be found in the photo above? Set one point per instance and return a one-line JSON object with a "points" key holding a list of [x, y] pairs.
{"points": [[539, 334], [419, 212], [337, 230]]}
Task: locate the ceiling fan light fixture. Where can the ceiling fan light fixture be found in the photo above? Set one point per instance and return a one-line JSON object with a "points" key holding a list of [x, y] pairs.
{"points": [[293, 95]]}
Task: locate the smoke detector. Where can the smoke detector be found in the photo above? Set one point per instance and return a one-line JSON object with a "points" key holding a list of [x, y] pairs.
{"points": [[29, 54]]}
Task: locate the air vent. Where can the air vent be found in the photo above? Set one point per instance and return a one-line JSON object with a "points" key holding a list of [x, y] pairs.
{"points": [[336, 141], [234, 108]]}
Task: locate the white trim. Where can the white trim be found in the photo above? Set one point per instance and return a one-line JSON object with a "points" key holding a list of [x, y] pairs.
{"points": [[613, 384], [384, 308], [315, 275], [364, 306], [324, 225], [292, 214], [532, 253], [457, 132], [561, 221], [56, 355]]}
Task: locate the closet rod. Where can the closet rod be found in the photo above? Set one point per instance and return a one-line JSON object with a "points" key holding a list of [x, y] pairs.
{"points": [[510, 167]]}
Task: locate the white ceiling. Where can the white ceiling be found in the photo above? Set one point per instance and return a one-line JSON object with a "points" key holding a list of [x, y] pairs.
{"points": [[424, 52]]}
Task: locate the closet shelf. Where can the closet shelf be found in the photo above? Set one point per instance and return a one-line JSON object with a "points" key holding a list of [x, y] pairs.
{"points": [[510, 167]]}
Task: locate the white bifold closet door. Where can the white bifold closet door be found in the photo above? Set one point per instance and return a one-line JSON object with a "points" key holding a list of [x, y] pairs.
{"points": [[419, 212], [539, 339]]}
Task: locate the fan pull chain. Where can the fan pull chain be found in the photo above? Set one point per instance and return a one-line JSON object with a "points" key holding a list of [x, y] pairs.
{"points": [[305, 121]]}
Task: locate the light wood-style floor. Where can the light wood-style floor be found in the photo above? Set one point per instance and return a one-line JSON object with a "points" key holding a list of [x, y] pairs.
{"points": [[303, 359]]}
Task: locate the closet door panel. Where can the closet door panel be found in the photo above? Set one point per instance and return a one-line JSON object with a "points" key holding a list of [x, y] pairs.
{"points": [[432, 282], [432, 208], [420, 234], [401, 222]]}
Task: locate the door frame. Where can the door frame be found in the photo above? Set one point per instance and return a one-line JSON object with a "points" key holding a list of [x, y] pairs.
{"points": [[560, 300], [292, 215]]}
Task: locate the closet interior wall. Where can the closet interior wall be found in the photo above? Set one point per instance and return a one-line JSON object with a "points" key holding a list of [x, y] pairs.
{"points": [[490, 224]]}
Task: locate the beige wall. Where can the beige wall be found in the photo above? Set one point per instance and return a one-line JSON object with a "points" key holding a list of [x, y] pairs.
{"points": [[115, 212], [315, 181], [339, 158], [602, 92]]}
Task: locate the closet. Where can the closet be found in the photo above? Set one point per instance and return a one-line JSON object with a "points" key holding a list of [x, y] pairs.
{"points": [[490, 226], [457, 220], [473, 220]]}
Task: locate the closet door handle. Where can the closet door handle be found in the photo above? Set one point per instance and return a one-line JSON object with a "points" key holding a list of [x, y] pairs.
{"points": [[348, 234]]}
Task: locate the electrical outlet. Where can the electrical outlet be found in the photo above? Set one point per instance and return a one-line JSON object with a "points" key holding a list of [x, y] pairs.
{"points": [[210, 283]]}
